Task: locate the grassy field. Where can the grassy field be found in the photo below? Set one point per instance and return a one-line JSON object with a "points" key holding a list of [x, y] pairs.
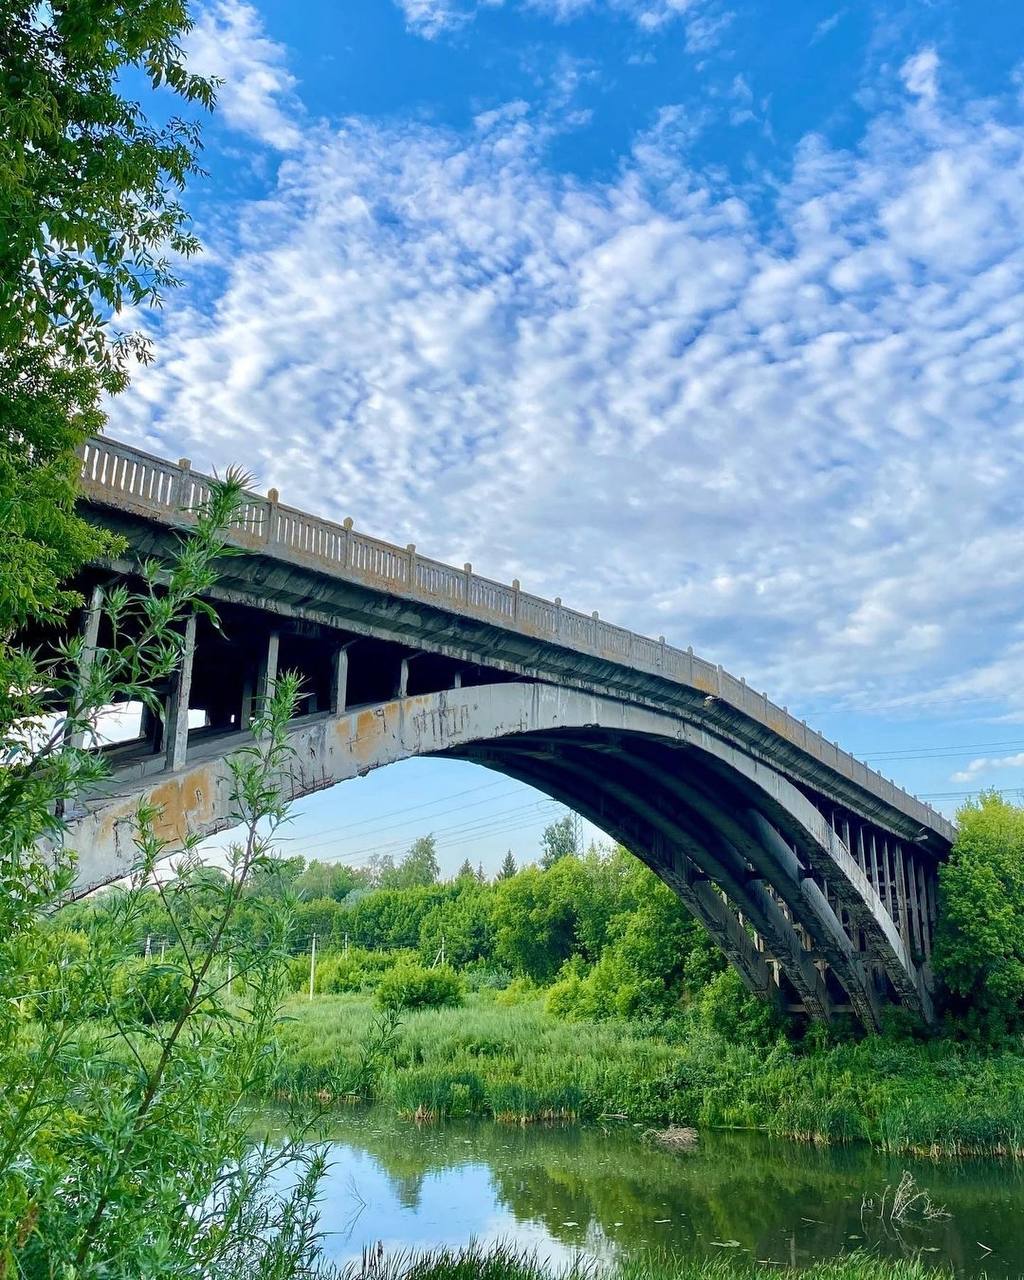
{"points": [[502, 1264], [516, 1064]]}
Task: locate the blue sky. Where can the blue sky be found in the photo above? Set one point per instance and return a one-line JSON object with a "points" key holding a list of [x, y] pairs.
{"points": [[704, 314]]}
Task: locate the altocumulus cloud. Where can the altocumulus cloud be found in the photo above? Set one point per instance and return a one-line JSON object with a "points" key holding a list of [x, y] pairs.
{"points": [[795, 443], [431, 18]]}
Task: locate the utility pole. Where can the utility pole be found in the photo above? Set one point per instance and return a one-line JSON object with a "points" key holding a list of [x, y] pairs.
{"points": [[312, 966]]}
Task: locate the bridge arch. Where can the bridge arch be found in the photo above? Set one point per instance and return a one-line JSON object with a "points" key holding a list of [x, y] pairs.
{"points": [[743, 847]]}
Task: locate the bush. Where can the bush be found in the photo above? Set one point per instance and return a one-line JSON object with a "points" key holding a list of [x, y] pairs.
{"points": [[411, 986], [149, 992], [337, 975], [726, 1007]]}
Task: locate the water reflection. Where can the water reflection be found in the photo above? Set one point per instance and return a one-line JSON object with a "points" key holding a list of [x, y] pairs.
{"points": [[603, 1193]]}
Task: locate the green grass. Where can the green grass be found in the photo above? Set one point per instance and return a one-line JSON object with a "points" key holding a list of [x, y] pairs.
{"points": [[503, 1263], [517, 1064]]}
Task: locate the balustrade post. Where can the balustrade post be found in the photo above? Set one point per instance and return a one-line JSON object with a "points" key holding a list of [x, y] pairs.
{"points": [[558, 616], [596, 630], [661, 653], [181, 491], [411, 566], [346, 558], [273, 497], [467, 570], [515, 600]]}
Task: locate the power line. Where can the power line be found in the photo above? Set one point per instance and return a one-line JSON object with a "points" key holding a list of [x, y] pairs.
{"points": [[379, 817], [482, 825], [397, 840], [939, 750]]}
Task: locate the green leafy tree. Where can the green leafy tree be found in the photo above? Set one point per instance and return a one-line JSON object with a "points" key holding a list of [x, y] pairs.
{"points": [[465, 872], [535, 923], [465, 922], [110, 1143], [329, 880], [91, 223], [559, 840], [418, 869], [979, 942], [508, 867]]}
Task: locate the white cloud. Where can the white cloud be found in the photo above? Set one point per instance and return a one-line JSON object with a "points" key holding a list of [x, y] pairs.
{"points": [[431, 18], [986, 765], [796, 445], [920, 74], [827, 25], [257, 96]]}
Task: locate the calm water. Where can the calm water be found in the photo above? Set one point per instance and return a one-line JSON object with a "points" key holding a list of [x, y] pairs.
{"points": [[603, 1193]]}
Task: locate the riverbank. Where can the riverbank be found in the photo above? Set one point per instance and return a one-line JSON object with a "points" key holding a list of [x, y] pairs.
{"points": [[503, 1264], [500, 1264], [516, 1064]]}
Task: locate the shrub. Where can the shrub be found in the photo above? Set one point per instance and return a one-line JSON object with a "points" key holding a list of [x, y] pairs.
{"points": [[149, 992], [411, 986], [340, 974], [726, 1007]]}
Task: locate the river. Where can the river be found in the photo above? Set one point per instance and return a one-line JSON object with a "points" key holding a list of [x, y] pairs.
{"points": [[603, 1192]]}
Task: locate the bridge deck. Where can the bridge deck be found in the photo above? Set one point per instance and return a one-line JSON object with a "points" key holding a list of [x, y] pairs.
{"points": [[129, 480]]}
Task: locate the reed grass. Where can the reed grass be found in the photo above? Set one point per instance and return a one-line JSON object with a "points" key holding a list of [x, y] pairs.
{"points": [[502, 1262]]}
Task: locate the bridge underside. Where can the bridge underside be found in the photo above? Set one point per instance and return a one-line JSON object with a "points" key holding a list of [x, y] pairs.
{"points": [[826, 912]]}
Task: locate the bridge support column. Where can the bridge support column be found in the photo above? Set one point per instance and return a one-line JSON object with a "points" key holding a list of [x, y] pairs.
{"points": [[91, 635], [339, 680], [268, 672], [176, 735]]}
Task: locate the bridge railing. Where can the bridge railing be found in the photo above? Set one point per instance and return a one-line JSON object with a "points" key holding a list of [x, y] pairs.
{"points": [[122, 476]]}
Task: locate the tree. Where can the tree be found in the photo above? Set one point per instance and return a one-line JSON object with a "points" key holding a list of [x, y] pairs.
{"points": [[418, 868], [465, 922], [559, 841], [534, 923], [329, 880], [508, 867], [465, 872], [979, 942], [91, 222], [107, 1151]]}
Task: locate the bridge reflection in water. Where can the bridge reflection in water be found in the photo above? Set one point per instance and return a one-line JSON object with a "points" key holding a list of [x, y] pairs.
{"points": [[815, 875]]}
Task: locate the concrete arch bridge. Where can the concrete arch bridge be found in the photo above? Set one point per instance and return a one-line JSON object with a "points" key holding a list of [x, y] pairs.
{"points": [[815, 875]]}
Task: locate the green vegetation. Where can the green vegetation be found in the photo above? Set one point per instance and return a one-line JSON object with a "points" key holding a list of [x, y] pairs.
{"points": [[516, 1063], [412, 986], [589, 991], [501, 1262], [979, 951], [91, 223]]}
